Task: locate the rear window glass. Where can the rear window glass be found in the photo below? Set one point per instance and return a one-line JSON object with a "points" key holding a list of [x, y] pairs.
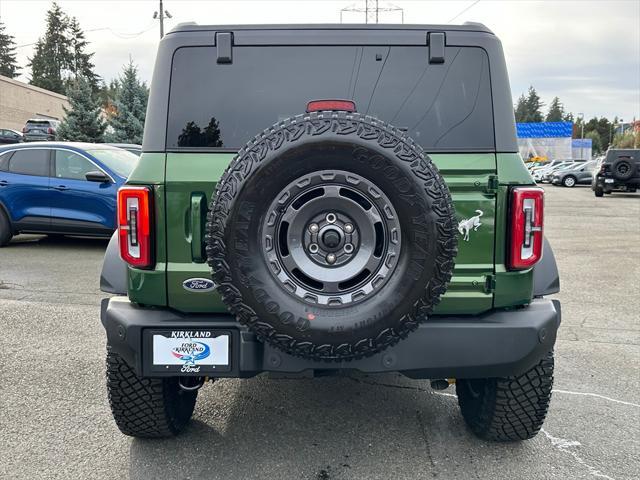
{"points": [[442, 107], [4, 161], [30, 161], [44, 123]]}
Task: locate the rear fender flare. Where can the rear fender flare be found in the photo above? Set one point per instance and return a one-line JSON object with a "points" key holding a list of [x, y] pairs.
{"points": [[113, 278], [546, 279]]}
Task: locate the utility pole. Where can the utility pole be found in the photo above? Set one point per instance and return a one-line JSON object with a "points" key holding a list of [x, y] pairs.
{"points": [[369, 10], [160, 15], [581, 117]]}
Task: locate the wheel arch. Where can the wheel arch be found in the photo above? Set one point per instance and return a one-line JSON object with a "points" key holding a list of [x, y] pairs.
{"points": [[113, 277], [546, 278]]}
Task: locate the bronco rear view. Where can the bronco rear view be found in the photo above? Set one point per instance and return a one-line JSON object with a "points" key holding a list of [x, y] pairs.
{"points": [[330, 198]]}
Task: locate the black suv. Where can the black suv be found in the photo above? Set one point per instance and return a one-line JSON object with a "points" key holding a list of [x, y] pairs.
{"points": [[40, 129], [619, 170]]}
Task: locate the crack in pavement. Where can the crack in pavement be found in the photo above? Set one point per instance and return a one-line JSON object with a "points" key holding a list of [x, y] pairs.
{"points": [[425, 437]]}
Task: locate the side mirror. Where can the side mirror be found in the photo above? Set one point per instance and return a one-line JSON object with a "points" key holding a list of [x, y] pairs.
{"points": [[97, 176]]}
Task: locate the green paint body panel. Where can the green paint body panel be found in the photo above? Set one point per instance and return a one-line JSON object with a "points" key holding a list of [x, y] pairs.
{"points": [[476, 181], [149, 287], [190, 177], [511, 288]]}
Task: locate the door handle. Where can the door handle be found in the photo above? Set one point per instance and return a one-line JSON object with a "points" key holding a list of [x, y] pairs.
{"points": [[61, 187], [198, 214]]}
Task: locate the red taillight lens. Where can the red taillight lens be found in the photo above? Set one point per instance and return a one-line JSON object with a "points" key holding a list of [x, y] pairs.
{"points": [[525, 244], [24, 129], [50, 131], [134, 226], [319, 105]]}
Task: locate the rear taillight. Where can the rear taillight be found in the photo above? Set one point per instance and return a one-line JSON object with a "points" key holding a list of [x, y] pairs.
{"points": [[50, 131], [24, 129], [319, 105], [134, 226], [525, 242]]}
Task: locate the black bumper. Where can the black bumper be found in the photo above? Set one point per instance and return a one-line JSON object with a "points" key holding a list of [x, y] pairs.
{"points": [[495, 344]]}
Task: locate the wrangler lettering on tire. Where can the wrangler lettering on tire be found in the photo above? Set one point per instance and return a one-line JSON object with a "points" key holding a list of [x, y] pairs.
{"points": [[331, 235]]}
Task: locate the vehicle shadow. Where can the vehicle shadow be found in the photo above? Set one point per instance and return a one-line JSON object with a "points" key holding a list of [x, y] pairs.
{"points": [[383, 426], [58, 241]]}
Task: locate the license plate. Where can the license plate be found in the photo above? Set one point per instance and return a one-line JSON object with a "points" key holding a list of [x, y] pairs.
{"points": [[194, 352], [608, 180]]}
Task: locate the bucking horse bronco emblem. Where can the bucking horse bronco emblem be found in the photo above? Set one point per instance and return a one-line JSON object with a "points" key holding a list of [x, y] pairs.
{"points": [[467, 224]]}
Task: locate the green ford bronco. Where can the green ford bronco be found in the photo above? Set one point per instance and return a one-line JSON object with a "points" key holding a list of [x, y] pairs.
{"points": [[326, 198]]}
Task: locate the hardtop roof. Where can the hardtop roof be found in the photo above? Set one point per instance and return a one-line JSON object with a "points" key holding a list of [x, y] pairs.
{"points": [[466, 27]]}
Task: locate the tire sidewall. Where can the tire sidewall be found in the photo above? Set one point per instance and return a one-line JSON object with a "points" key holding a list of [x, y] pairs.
{"points": [[378, 320]]}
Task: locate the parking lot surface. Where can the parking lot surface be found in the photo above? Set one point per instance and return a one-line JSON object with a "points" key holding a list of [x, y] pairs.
{"points": [[55, 420]]}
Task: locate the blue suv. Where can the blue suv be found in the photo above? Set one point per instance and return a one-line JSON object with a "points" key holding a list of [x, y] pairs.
{"points": [[60, 188]]}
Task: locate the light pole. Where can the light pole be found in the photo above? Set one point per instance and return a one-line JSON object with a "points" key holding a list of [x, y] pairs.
{"points": [[581, 117]]}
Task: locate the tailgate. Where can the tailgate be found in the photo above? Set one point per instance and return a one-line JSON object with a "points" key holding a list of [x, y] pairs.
{"points": [[191, 179]]}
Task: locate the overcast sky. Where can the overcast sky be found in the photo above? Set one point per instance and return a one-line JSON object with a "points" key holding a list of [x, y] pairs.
{"points": [[586, 52]]}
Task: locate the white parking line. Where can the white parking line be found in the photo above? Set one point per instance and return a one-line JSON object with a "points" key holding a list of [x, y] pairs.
{"points": [[564, 446], [568, 392], [589, 394]]}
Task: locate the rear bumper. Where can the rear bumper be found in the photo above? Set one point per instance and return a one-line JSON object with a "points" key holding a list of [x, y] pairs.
{"points": [[496, 344], [613, 183], [39, 138]]}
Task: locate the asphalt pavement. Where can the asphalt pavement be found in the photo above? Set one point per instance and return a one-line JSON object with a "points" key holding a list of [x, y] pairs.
{"points": [[55, 420]]}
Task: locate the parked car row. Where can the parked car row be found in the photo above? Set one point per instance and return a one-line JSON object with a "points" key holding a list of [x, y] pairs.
{"points": [[62, 188], [618, 170]]}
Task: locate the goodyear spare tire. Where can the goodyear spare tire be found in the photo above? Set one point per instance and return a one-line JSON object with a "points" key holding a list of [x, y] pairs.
{"points": [[331, 235]]}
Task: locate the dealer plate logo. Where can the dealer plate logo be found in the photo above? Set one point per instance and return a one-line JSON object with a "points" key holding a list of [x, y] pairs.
{"points": [[190, 353], [198, 285]]}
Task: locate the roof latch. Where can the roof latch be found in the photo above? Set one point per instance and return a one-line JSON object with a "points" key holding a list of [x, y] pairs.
{"points": [[436, 42], [224, 42]]}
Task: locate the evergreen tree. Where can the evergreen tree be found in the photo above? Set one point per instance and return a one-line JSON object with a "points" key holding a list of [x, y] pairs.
{"points": [[556, 111], [534, 106], [8, 66], [81, 64], [130, 105], [53, 55], [596, 144], [82, 123], [521, 109]]}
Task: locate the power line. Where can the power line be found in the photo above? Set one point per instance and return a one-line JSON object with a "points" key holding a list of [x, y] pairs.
{"points": [[464, 10], [123, 35]]}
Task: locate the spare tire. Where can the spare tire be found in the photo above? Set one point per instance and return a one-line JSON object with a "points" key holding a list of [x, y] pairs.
{"points": [[622, 169], [331, 235]]}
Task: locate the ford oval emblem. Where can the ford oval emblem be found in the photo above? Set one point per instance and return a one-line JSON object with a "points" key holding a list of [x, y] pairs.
{"points": [[198, 285]]}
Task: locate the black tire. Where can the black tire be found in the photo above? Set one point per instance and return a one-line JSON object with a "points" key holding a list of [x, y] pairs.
{"points": [[598, 191], [5, 229], [146, 407], [508, 409], [312, 148], [623, 169], [569, 181]]}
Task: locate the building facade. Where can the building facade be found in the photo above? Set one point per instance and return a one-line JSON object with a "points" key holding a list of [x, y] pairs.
{"points": [[545, 140], [20, 102]]}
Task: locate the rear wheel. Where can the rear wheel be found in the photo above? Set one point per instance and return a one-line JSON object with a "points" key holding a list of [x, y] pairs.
{"points": [[569, 181], [599, 191], [508, 409], [146, 407], [5, 229]]}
